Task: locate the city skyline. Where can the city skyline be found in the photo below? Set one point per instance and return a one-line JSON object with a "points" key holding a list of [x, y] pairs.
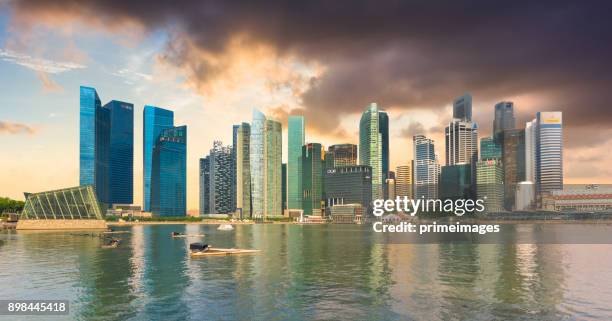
{"points": [[137, 61]]}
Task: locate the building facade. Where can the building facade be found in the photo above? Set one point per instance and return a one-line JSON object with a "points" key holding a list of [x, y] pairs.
{"points": [[342, 155], [204, 196], [90, 105], [121, 153], [169, 173], [504, 120], [257, 159], [312, 178], [348, 185], [490, 184], [243, 172], [462, 108], [220, 198], [549, 152], [456, 182], [461, 140], [295, 141], [426, 168], [273, 198], [489, 149], [371, 148], [403, 181], [155, 120], [513, 163]]}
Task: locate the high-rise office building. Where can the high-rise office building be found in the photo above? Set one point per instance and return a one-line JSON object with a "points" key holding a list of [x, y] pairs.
{"points": [[243, 172], [371, 148], [403, 181], [504, 120], [462, 108], [530, 150], [284, 189], [489, 149], [90, 106], [234, 171], [342, 155], [490, 184], [383, 129], [461, 140], [204, 196], [456, 181], [257, 159], [549, 152], [295, 141], [426, 168], [348, 185], [312, 178], [169, 173], [155, 120], [273, 199], [513, 162], [121, 153], [220, 188]]}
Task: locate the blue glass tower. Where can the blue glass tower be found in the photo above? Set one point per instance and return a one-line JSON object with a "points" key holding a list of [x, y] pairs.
{"points": [[121, 153], [383, 129], [89, 105], [155, 120], [169, 173]]}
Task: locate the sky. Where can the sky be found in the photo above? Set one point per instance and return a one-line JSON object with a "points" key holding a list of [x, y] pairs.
{"points": [[212, 62]]}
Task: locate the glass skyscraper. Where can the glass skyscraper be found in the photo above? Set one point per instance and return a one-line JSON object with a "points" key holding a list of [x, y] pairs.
{"points": [[312, 179], [504, 120], [456, 181], [121, 152], [243, 171], [549, 151], [273, 199], [489, 149], [426, 168], [296, 137], [513, 161], [257, 163], [530, 150], [383, 129], [461, 138], [462, 108], [89, 106], [169, 173], [204, 195], [371, 148], [342, 155], [490, 184], [155, 120]]}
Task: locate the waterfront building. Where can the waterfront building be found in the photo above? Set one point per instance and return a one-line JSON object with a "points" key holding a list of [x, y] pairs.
{"points": [[204, 195], [524, 198], [549, 152], [589, 198], [456, 182], [531, 129], [273, 198], [403, 181], [348, 185], [461, 139], [462, 108], [220, 199], [489, 149], [513, 163], [312, 178], [106, 147], [347, 213], [295, 141], [426, 168], [490, 184], [504, 120], [342, 155], [234, 165], [284, 189], [169, 173], [371, 147], [243, 172], [155, 120], [257, 159]]}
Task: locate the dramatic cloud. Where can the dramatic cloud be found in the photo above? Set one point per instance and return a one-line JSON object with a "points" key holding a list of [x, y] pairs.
{"points": [[38, 64], [16, 128]]}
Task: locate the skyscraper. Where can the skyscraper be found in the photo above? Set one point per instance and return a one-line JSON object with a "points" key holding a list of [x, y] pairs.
{"points": [[513, 162], [169, 173], [312, 178], [243, 171], [295, 133], [121, 153], [343, 155], [530, 150], [490, 184], [403, 181], [204, 185], [383, 129], [462, 108], [549, 152], [257, 163], [234, 170], [461, 139], [220, 188], [273, 199], [371, 147], [426, 168], [89, 106], [155, 120], [284, 184], [456, 181], [489, 149], [348, 185], [504, 119]]}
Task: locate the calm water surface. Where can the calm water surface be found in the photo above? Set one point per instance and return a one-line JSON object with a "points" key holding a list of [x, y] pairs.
{"points": [[317, 272]]}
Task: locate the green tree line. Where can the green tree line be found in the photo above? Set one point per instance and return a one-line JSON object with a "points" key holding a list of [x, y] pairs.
{"points": [[8, 205]]}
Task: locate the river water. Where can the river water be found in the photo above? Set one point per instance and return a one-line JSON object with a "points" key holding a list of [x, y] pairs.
{"points": [[304, 272]]}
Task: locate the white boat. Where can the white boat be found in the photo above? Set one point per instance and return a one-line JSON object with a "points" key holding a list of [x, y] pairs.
{"points": [[225, 227]]}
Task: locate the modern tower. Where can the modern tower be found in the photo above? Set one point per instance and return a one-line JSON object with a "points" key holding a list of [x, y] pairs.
{"points": [[204, 195], [121, 153], [549, 151], [383, 129], [504, 119], [169, 173], [371, 148], [220, 188], [312, 178], [426, 168], [273, 153], [243, 172], [342, 155], [257, 160], [462, 108], [461, 142], [403, 181], [513, 161], [530, 150], [90, 106], [234, 170], [489, 149], [155, 120], [490, 184], [295, 130]]}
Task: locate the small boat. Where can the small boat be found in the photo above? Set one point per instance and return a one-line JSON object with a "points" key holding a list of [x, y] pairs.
{"points": [[225, 227], [199, 249], [113, 243], [178, 234]]}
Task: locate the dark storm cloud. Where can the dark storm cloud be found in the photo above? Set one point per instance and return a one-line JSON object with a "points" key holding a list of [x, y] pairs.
{"points": [[401, 54]]}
